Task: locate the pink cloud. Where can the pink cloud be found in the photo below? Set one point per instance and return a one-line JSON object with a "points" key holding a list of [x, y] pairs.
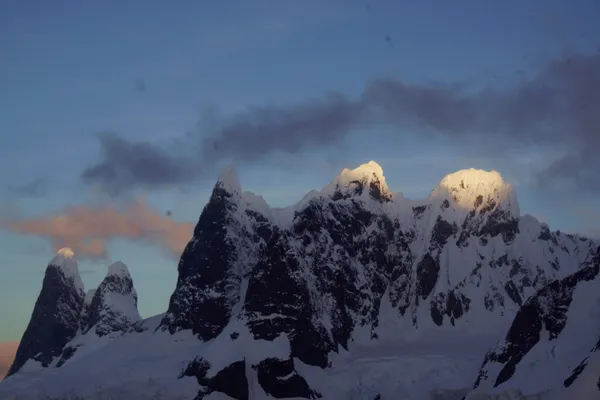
{"points": [[87, 229]]}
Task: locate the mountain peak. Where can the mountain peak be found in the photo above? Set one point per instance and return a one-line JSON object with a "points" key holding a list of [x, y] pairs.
{"points": [[65, 252], [113, 307], [369, 175], [118, 268], [468, 187], [55, 318], [66, 262], [369, 170], [228, 180]]}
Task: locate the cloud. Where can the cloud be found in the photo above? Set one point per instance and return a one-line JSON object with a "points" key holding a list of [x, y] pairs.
{"points": [[36, 188], [7, 355], [262, 130], [87, 229], [554, 109], [127, 164]]}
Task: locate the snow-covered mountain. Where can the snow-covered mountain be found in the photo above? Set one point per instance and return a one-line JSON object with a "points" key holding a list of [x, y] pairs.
{"points": [[113, 306], [108, 311], [285, 302], [64, 319]]}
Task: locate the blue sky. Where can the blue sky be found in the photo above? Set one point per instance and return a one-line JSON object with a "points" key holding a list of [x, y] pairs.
{"points": [[147, 71]]}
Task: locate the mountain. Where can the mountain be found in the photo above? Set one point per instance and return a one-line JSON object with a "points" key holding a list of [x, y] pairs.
{"points": [[64, 319], [319, 275], [55, 318], [109, 310], [553, 342], [354, 292]]}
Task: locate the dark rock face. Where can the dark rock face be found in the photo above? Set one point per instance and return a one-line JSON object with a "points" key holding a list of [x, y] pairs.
{"points": [[231, 380], [208, 285], [377, 191], [54, 321], [328, 239], [575, 374], [578, 370], [548, 311], [452, 304], [442, 231], [513, 292], [66, 354], [427, 275], [279, 379], [275, 289]]}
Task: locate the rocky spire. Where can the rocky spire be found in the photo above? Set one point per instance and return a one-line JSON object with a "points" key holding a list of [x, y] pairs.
{"points": [[55, 317], [113, 307]]}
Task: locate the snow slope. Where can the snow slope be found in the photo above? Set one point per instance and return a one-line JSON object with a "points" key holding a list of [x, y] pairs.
{"points": [[553, 343]]}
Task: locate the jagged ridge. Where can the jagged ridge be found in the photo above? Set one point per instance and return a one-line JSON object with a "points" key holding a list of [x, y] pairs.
{"points": [[268, 290], [319, 273]]}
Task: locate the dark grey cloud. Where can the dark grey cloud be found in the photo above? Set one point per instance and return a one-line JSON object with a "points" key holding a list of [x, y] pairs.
{"points": [[36, 188], [556, 108], [126, 165]]}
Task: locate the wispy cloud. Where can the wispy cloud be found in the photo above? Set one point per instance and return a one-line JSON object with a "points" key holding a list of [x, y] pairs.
{"points": [[87, 229], [130, 164]]}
